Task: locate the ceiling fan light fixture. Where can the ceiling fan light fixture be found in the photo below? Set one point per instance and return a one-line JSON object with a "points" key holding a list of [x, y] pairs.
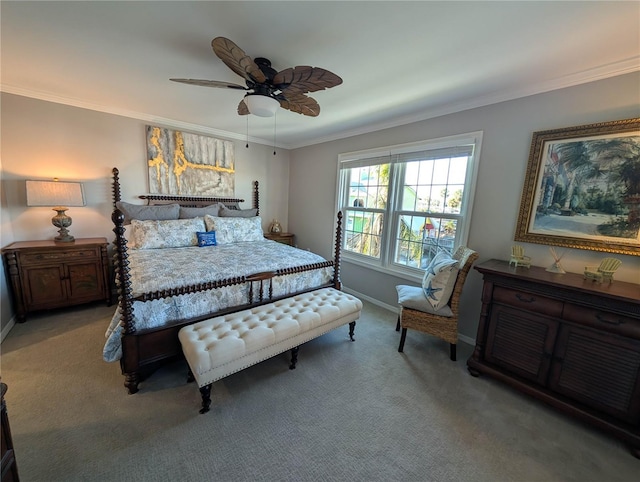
{"points": [[261, 105]]}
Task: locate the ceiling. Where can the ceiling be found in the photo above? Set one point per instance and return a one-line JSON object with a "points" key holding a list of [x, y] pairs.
{"points": [[400, 61]]}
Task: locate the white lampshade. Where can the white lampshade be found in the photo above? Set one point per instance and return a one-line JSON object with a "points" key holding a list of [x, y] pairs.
{"points": [[55, 193], [61, 195], [261, 105]]}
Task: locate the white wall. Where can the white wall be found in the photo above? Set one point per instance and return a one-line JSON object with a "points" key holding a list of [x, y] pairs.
{"points": [[43, 140], [507, 128]]}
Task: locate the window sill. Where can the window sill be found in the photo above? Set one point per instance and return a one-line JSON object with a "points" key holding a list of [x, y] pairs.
{"points": [[415, 278]]}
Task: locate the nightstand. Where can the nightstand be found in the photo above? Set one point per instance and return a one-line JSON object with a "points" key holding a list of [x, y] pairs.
{"points": [[284, 238], [45, 274]]}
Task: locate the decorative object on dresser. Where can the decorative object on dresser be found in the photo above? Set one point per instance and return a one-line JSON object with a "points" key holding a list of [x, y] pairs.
{"points": [[574, 178], [45, 274], [518, 257], [9, 465], [603, 272], [571, 343], [275, 227], [422, 310], [59, 194], [556, 267], [284, 238]]}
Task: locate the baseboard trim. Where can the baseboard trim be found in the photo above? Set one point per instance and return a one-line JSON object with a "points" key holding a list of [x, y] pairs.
{"points": [[396, 310], [5, 331], [393, 309]]}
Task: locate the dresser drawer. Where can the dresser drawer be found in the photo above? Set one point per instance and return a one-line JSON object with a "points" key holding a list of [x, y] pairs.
{"points": [[61, 255], [602, 320], [528, 301]]}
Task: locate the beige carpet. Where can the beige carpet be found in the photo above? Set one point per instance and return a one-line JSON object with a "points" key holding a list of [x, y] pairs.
{"points": [[349, 412]]}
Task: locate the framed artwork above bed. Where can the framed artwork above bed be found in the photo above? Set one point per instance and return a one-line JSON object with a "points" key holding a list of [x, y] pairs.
{"points": [[188, 164]]}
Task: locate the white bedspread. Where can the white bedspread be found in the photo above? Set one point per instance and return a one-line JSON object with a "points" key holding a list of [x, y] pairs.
{"points": [[159, 269]]}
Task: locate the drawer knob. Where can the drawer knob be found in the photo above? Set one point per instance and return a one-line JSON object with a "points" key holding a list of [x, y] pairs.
{"points": [[525, 299], [604, 319]]}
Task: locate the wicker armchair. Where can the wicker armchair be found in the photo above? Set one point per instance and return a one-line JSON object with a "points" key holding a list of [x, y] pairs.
{"points": [[444, 322]]}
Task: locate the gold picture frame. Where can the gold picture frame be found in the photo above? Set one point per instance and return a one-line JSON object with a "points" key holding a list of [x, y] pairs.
{"points": [[582, 188]]}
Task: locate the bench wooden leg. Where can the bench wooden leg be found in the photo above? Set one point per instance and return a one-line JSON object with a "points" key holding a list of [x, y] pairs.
{"points": [[206, 398], [294, 358], [352, 326]]}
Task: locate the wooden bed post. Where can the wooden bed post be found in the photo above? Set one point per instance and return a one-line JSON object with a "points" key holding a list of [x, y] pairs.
{"points": [[337, 284], [116, 187], [256, 198], [125, 295]]}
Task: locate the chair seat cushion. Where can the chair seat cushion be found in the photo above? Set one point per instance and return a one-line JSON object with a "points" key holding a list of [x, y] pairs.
{"points": [[413, 297]]}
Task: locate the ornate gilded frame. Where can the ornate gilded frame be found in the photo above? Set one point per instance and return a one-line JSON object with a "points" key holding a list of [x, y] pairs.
{"points": [[597, 169]]}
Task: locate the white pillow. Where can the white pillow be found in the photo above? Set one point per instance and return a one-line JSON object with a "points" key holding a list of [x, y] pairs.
{"points": [[175, 233], [439, 279], [235, 230]]}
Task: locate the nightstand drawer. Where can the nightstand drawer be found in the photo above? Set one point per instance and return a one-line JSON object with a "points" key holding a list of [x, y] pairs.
{"points": [[284, 238], [39, 258]]}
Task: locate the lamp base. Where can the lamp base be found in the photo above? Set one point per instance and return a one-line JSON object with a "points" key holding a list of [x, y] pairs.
{"points": [[62, 222]]}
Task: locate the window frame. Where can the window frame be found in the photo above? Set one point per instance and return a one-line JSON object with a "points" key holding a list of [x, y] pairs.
{"points": [[392, 213]]}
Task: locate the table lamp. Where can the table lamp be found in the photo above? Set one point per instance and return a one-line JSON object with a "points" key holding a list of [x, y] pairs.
{"points": [[60, 195]]}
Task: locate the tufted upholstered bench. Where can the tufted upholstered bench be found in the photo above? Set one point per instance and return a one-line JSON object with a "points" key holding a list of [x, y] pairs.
{"points": [[220, 346]]}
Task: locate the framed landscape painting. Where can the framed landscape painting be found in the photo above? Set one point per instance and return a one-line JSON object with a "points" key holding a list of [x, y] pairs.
{"points": [[582, 188]]}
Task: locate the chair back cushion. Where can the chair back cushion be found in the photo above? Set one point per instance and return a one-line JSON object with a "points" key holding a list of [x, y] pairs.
{"points": [[439, 279]]}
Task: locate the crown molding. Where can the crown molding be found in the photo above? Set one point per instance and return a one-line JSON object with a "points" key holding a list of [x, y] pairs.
{"points": [[48, 97], [599, 73]]}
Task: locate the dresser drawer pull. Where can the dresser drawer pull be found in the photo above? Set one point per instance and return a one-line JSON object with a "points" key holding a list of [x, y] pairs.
{"points": [[603, 319], [525, 299]]}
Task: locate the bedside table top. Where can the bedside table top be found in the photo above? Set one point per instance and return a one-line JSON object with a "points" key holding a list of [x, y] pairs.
{"points": [[49, 243]]}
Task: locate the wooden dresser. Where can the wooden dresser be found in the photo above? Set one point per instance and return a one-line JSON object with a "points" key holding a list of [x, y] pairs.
{"points": [[46, 274], [9, 466], [571, 342]]}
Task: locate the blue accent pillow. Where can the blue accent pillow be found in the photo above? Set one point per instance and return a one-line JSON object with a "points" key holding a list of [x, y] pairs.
{"points": [[207, 239]]}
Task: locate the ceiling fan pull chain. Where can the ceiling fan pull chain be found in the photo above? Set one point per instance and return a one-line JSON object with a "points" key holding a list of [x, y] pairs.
{"points": [[247, 146], [275, 116]]}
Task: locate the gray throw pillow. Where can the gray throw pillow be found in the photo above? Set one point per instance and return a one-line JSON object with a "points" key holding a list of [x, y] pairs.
{"points": [[160, 212], [225, 212], [188, 213]]}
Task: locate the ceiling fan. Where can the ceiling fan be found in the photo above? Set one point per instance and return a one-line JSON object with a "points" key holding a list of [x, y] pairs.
{"points": [[268, 89]]}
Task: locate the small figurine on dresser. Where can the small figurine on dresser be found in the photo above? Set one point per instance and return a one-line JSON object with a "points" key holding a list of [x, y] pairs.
{"points": [[518, 257], [275, 226], [556, 267], [604, 272]]}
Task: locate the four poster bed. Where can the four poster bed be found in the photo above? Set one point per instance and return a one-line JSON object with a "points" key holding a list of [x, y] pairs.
{"points": [[168, 275]]}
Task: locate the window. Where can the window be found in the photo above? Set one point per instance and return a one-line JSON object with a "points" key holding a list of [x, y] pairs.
{"points": [[403, 204]]}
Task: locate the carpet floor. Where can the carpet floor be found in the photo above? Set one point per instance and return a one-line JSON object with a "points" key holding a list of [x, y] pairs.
{"points": [[349, 412]]}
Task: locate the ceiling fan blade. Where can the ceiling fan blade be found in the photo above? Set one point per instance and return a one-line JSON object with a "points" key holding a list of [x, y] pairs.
{"points": [[238, 61], [210, 83], [242, 108], [303, 79], [300, 104]]}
